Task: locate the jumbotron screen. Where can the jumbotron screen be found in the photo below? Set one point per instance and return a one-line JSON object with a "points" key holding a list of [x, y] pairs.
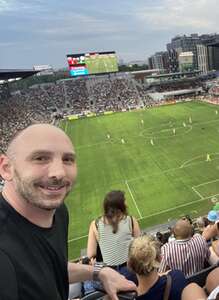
{"points": [[92, 63]]}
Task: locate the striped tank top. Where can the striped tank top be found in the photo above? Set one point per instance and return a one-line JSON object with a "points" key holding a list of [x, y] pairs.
{"points": [[114, 246]]}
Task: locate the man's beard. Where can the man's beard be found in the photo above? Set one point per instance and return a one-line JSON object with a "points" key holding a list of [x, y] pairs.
{"points": [[28, 189]]}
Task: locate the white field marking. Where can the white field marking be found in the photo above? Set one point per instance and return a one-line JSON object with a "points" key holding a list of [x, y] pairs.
{"points": [[185, 165], [194, 158], [142, 135], [156, 173], [190, 127], [199, 194], [78, 238], [207, 182], [158, 213], [188, 161], [155, 133], [140, 215], [179, 206], [172, 169]]}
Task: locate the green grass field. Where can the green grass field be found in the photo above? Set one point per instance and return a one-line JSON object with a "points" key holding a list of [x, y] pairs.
{"points": [[102, 64], [161, 181]]}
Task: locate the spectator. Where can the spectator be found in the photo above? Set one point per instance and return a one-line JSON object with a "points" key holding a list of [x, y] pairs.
{"points": [[211, 231], [144, 260], [212, 217], [200, 224], [193, 292], [212, 284], [113, 232], [39, 170], [187, 253]]}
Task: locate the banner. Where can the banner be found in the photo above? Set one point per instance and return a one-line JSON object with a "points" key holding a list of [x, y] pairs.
{"points": [[108, 112], [72, 117]]}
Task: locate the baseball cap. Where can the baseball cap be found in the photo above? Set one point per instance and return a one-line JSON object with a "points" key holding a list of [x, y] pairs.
{"points": [[212, 216]]}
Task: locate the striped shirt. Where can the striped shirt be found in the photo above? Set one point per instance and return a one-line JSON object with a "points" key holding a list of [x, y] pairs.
{"points": [[185, 255], [114, 246]]}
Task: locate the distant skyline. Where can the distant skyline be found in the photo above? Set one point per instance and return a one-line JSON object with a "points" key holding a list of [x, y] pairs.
{"points": [[38, 32]]}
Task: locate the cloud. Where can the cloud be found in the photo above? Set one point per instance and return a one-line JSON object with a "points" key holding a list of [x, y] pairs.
{"points": [[15, 6], [5, 5], [182, 15]]}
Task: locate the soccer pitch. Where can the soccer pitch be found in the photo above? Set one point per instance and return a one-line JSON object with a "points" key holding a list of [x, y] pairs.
{"points": [[163, 171], [102, 65]]}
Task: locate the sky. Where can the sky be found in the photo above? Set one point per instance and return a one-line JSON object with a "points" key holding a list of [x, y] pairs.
{"points": [[38, 32]]}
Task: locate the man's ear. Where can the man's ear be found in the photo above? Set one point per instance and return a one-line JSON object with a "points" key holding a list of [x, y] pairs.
{"points": [[5, 168]]}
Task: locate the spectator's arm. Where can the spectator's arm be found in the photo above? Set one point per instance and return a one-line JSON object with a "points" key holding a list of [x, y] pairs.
{"points": [[210, 232], [215, 247], [136, 228], [79, 272], [92, 240], [112, 281]]}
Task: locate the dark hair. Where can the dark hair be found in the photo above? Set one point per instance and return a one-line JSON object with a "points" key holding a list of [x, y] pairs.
{"points": [[114, 206], [188, 218]]}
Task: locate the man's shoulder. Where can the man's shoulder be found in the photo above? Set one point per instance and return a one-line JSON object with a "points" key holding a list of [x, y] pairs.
{"points": [[198, 237], [169, 244]]}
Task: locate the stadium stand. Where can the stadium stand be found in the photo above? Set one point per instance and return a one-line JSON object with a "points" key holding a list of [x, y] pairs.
{"points": [[52, 101], [200, 277]]}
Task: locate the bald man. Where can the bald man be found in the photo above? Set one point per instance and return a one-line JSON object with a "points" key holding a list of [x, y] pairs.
{"points": [[186, 253], [39, 170]]}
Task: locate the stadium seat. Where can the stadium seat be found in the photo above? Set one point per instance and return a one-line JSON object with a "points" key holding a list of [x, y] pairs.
{"points": [[200, 277], [100, 295]]}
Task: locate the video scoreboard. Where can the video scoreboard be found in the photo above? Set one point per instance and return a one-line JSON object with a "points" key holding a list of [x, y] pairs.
{"points": [[92, 63]]}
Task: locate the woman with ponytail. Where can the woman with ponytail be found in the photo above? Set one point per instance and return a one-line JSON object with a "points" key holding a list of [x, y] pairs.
{"points": [[113, 232]]}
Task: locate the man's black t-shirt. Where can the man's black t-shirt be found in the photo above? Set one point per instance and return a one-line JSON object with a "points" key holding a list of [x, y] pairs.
{"points": [[33, 260]]}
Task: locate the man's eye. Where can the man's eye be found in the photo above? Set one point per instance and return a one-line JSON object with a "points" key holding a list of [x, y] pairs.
{"points": [[41, 158], [69, 160]]}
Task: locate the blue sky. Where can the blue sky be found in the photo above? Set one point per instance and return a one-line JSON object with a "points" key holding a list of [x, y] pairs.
{"points": [[35, 32]]}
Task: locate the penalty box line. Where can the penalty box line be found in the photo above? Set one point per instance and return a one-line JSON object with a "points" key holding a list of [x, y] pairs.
{"points": [[158, 213], [133, 199], [194, 188], [179, 206]]}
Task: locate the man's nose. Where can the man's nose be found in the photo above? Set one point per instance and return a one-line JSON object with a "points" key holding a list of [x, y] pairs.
{"points": [[56, 169]]}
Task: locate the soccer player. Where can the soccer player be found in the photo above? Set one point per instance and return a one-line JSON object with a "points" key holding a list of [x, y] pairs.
{"points": [[208, 158]]}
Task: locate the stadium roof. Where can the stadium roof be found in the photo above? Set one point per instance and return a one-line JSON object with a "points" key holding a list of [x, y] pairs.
{"points": [[15, 74], [175, 74], [215, 44]]}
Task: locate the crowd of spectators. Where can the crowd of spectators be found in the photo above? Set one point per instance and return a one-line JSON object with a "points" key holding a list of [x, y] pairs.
{"points": [[80, 95], [214, 90], [45, 102], [178, 256], [185, 247]]}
